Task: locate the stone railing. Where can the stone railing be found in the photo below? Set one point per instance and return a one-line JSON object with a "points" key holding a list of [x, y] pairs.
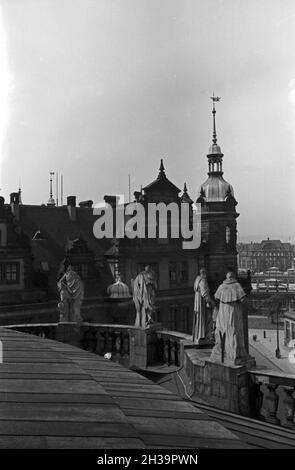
{"points": [[102, 339], [43, 330], [169, 344], [105, 338], [272, 397]]}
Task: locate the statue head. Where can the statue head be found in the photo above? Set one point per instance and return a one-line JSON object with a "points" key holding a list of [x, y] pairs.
{"points": [[147, 267], [230, 276], [203, 272]]}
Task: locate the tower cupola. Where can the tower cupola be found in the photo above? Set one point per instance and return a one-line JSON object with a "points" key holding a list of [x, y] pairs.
{"points": [[215, 188]]}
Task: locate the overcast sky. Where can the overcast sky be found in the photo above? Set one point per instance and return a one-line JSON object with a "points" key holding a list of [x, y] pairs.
{"points": [[97, 89]]}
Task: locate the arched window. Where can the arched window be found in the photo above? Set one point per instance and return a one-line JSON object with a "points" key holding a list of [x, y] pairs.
{"points": [[227, 235]]}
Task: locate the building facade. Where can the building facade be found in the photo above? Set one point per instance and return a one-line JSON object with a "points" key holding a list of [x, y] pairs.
{"points": [[260, 257]]}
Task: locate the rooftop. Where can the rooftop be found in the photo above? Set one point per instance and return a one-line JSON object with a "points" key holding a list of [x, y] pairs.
{"points": [[54, 395]]}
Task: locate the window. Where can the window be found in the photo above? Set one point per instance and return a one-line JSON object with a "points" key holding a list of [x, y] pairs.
{"points": [[173, 310], [178, 272], [9, 273]]}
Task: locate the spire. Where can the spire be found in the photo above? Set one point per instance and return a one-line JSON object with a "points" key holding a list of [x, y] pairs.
{"points": [[51, 201], [214, 99], [185, 196], [215, 155], [161, 170]]}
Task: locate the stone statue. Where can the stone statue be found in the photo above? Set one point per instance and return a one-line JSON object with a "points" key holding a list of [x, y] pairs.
{"points": [[71, 291], [202, 320], [144, 296], [229, 334]]}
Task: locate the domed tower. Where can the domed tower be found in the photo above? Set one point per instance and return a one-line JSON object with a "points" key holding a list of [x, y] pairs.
{"points": [[218, 210]]}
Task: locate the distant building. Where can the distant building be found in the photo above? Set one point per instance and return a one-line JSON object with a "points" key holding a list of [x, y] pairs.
{"points": [[266, 255]]}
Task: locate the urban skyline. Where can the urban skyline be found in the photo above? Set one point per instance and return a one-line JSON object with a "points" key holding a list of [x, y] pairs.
{"points": [[94, 96]]}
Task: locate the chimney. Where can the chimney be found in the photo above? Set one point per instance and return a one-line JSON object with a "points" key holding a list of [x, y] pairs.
{"points": [[86, 204], [14, 204], [111, 200], [71, 203]]}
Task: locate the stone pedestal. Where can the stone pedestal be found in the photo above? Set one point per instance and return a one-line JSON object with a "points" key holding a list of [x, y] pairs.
{"points": [[144, 346], [69, 333], [221, 385]]}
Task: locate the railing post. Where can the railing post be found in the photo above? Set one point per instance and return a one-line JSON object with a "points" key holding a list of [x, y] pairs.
{"points": [[289, 407], [272, 401]]}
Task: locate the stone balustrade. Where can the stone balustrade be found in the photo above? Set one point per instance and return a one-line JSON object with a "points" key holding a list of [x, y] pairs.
{"points": [[272, 397], [114, 339], [102, 339], [170, 346], [271, 393]]}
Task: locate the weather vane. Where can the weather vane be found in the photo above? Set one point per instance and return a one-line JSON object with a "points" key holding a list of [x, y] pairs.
{"points": [[215, 99]]}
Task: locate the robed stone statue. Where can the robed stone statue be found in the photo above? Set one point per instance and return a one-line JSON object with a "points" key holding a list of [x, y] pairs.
{"points": [[144, 296], [71, 290], [202, 319], [229, 333]]}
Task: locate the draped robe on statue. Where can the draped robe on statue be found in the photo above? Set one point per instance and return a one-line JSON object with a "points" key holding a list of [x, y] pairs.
{"points": [[144, 296], [72, 294], [229, 321], [202, 321]]}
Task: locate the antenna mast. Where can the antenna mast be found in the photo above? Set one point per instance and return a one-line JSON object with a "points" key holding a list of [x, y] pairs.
{"points": [[56, 181], [62, 188]]}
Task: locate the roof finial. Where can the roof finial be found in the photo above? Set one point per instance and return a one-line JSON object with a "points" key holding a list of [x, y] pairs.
{"points": [[19, 192], [185, 188], [161, 170], [215, 99]]}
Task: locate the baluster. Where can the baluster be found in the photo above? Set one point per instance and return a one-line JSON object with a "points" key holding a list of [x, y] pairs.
{"points": [[272, 401], [92, 345], [118, 344], [161, 350], [166, 351], [125, 345], [256, 401], [289, 407], [172, 352], [105, 340], [177, 349], [99, 342], [83, 337], [88, 339], [109, 342]]}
